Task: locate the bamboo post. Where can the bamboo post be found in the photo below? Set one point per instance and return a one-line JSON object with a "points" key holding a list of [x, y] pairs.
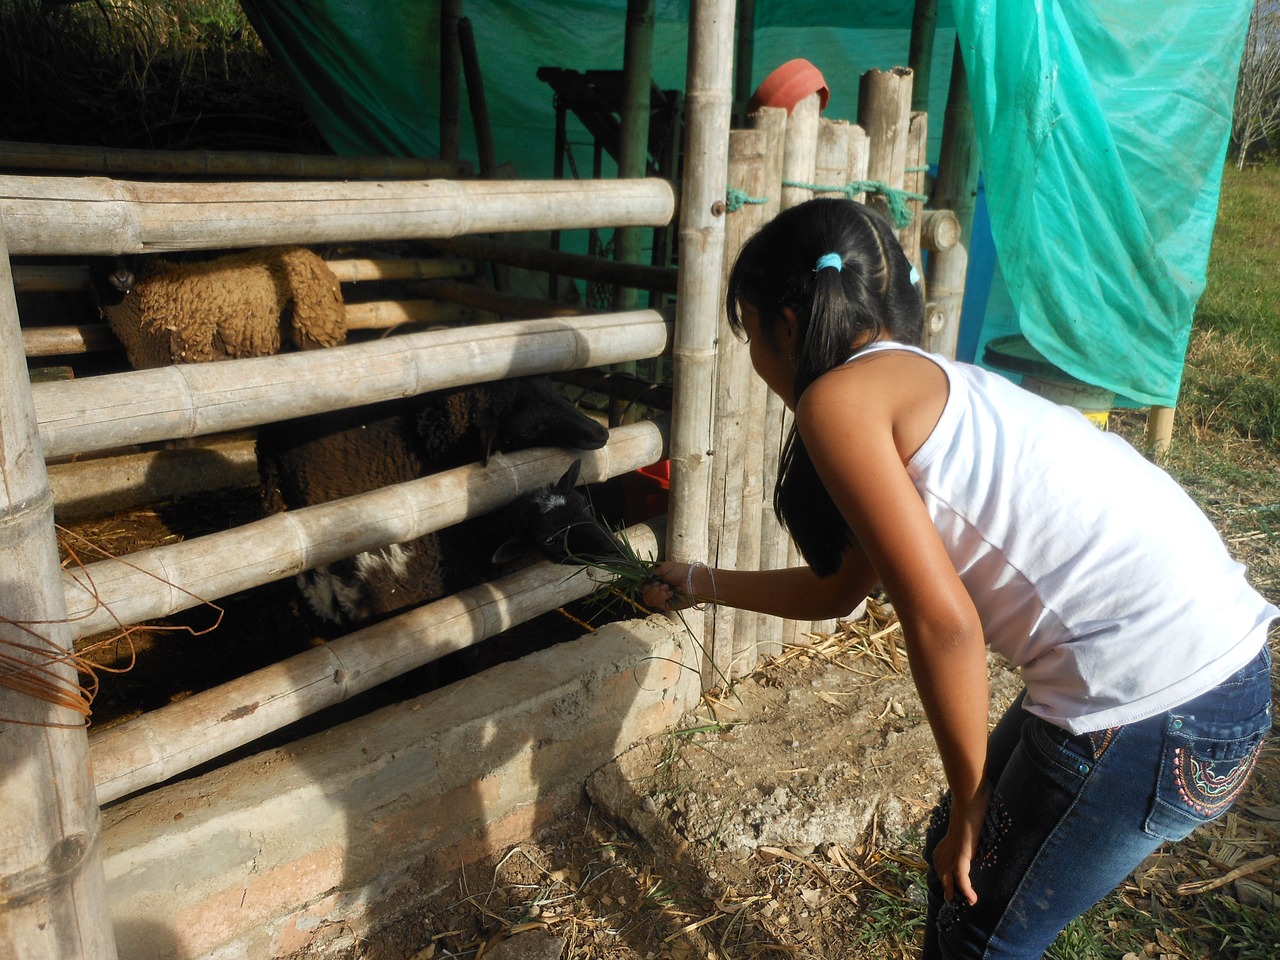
{"points": [[196, 399], [956, 186], [800, 151], [884, 111], [831, 160], [633, 152], [118, 161], [750, 628], [1159, 430], [89, 215], [947, 270], [913, 182], [475, 98], [702, 211], [939, 230], [859, 157], [178, 576], [450, 86], [175, 738], [732, 413], [798, 167], [744, 62], [53, 901], [924, 25]]}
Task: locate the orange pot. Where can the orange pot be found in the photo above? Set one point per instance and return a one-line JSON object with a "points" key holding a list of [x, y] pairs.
{"points": [[788, 85]]}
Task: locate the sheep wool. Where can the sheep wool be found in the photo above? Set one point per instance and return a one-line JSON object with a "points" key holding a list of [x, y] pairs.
{"points": [[240, 305]]}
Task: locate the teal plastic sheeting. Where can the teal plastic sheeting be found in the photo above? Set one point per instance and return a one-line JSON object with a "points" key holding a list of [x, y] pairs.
{"points": [[1103, 129], [362, 69]]}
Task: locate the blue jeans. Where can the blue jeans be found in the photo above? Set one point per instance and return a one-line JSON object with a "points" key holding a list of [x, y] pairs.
{"points": [[1072, 815]]}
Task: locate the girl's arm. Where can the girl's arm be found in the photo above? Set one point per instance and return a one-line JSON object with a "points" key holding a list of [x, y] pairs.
{"points": [[861, 424], [796, 593]]}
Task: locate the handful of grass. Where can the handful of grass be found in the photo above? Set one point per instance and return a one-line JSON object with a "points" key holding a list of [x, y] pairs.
{"points": [[621, 579]]}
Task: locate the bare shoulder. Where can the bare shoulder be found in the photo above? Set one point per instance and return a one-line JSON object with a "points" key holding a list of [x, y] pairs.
{"points": [[894, 390]]}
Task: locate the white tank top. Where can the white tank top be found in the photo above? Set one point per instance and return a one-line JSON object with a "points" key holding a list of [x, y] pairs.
{"points": [[1090, 568]]}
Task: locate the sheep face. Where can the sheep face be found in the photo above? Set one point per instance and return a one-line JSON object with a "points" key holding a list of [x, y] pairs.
{"points": [[472, 424], [540, 417], [558, 522]]}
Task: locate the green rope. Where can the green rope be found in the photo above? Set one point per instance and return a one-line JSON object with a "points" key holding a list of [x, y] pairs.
{"points": [[736, 199], [897, 199]]}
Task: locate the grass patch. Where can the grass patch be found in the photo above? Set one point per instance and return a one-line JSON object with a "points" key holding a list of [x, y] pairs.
{"points": [[153, 74], [1229, 382]]}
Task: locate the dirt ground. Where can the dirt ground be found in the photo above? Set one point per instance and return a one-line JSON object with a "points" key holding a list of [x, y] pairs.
{"points": [[783, 820]]}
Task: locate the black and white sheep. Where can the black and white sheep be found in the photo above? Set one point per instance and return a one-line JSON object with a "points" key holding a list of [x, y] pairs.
{"points": [[240, 305], [324, 457]]}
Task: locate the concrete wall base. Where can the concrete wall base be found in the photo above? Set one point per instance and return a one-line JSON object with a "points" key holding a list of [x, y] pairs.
{"points": [[315, 845]]}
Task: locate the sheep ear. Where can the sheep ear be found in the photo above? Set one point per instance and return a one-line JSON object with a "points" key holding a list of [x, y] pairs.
{"points": [[570, 478], [508, 551]]}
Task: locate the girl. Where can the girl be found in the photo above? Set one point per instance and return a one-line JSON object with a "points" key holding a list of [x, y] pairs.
{"points": [[993, 517]]}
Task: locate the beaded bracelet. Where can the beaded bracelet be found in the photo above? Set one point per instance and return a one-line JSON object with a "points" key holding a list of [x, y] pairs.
{"points": [[688, 585]]}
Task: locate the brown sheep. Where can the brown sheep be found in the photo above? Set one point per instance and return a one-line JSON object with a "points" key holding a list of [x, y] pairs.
{"points": [[240, 305]]}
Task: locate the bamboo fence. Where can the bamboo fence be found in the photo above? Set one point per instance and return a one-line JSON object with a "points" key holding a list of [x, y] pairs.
{"points": [[120, 410]]}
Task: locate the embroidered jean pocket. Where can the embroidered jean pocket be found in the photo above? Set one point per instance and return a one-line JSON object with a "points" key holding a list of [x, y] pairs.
{"points": [[1204, 766]]}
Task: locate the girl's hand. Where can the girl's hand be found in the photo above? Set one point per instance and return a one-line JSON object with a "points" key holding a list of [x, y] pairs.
{"points": [[954, 853], [666, 591]]}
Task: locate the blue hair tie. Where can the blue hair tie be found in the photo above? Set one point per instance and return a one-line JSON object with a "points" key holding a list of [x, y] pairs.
{"points": [[830, 260], [914, 276]]}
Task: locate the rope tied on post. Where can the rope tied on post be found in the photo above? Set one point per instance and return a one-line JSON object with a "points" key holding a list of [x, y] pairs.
{"points": [[896, 199], [736, 199]]}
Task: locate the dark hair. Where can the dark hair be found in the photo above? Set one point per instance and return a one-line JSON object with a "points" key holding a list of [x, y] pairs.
{"points": [[871, 297]]}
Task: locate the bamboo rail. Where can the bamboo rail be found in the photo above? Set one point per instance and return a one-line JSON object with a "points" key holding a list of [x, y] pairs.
{"points": [[581, 266], [90, 215], [116, 161], [173, 739], [164, 580], [196, 399], [40, 279]]}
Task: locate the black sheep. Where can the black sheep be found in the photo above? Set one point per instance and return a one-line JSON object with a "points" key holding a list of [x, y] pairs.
{"points": [[344, 452]]}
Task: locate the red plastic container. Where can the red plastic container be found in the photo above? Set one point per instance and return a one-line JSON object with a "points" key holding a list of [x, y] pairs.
{"points": [[645, 492], [788, 85]]}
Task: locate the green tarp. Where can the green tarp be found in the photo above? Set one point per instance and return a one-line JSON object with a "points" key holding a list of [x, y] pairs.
{"points": [[1103, 128]]}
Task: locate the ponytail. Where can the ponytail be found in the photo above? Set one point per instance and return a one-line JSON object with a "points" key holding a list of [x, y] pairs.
{"points": [[838, 266]]}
